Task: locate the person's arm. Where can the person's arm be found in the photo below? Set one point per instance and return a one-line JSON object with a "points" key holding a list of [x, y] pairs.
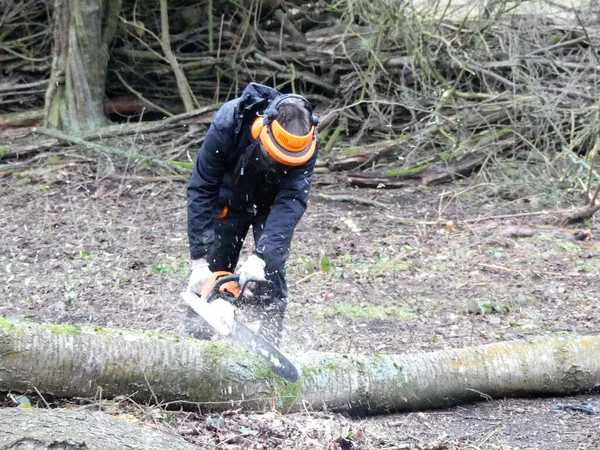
{"points": [[290, 204], [207, 175]]}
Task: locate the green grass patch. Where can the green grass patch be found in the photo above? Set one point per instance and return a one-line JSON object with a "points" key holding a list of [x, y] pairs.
{"points": [[367, 311], [171, 267], [589, 266], [387, 265], [570, 247]]}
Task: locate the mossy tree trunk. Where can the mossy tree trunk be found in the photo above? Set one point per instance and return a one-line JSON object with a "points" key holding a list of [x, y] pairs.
{"points": [[69, 361], [83, 32]]}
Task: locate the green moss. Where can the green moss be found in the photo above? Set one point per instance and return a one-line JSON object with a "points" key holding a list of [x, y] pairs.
{"points": [[6, 323], [406, 171], [4, 151], [77, 329], [53, 160], [495, 133], [332, 366], [286, 393], [183, 164], [216, 350], [348, 151], [64, 329], [107, 331]]}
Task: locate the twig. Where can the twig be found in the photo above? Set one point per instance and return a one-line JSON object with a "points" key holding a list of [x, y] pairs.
{"points": [[148, 179], [352, 199], [17, 87], [302, 280], [151, 390], [42, 397], [141, 97], [552, 274]]}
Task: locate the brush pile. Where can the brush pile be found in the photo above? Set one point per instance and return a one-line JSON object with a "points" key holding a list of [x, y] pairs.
{"points": [[417, 98]]}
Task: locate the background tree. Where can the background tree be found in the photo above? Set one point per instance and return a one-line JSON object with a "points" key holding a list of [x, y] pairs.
{"points": [[83, 32]]}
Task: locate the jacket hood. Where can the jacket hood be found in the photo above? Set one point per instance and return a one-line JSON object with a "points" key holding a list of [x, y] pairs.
{"points": [[256, 97]]}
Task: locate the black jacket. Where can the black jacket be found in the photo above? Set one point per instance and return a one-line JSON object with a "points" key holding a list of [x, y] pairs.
{"points": [[229, 172]]}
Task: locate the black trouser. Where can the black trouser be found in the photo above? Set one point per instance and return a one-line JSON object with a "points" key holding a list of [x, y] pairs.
{"points": [[230, 233]]}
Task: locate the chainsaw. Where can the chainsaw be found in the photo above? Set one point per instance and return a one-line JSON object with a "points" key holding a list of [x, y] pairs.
{"points": [[217, 306]]}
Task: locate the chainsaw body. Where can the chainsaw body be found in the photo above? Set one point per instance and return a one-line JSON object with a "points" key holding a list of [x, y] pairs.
{"points": [[217, 306]]}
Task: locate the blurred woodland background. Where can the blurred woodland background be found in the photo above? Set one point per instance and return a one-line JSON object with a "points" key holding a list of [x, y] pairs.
{"points": [[414, 92]]}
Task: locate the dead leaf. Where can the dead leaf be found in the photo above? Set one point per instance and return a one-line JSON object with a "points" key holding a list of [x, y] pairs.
{"points": [[129, 418]]}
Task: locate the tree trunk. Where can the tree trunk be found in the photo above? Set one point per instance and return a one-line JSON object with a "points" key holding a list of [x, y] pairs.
{"points": [[54, 429], [69, 361], [83, 32]]}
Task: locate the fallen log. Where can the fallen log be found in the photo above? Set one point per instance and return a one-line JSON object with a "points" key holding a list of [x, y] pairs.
{"points": [[118, 105], [73, 361], [55, 429], [21, 119]]}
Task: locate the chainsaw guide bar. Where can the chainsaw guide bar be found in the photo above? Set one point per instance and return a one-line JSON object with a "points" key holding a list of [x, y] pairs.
{"points": [[216, 306]]}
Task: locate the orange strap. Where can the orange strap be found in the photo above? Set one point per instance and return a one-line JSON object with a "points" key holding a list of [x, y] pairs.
{"points": [[223, 213]]}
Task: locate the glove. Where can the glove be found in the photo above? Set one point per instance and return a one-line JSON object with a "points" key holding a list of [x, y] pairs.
{"points": [[200, 274], [253, 268]]}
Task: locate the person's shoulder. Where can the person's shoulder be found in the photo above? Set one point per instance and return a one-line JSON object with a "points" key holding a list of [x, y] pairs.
{"points": [[225, 116]]}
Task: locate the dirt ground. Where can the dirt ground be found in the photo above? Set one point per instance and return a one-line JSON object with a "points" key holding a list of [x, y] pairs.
{"points": [[418, 269]]}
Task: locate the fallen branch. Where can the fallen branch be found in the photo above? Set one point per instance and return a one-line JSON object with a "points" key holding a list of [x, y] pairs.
{"points": [[581, 214], [520, 232], [529, 272], [327, 120], [287, 24], [364, 155]]}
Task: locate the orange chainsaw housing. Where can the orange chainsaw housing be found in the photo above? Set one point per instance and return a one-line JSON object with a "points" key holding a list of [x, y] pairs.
{"points": [[230, 287]]}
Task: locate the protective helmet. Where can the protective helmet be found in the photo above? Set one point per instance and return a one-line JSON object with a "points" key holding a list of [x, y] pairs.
{"points": [[282, 146]]}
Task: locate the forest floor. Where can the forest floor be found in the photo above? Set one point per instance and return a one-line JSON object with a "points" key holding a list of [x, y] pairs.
{"points": [[421, 269]]}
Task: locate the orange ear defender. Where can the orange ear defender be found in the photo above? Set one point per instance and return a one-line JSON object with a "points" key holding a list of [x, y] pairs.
{"points": [[282, 146]]}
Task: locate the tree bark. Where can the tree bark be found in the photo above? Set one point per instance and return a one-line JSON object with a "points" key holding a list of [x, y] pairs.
{"points": [[83, 32], [54, 429], [69, 361]]}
